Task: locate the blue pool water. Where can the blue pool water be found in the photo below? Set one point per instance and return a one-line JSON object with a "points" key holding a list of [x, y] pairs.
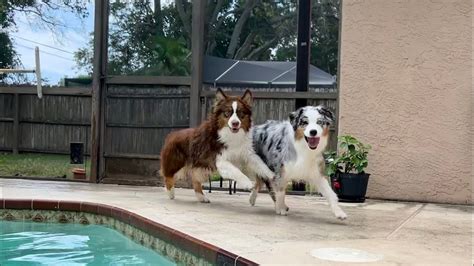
{"points": [[28, 243]]}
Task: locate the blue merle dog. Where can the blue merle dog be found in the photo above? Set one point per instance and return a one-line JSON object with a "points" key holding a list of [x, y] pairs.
{"points": [[293, 150]]}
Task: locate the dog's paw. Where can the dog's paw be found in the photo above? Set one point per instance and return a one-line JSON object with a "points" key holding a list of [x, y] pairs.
{"points": [[201, 198], [282, 211], [253, 197], [205, 200], [171, 193], [340, 214]]}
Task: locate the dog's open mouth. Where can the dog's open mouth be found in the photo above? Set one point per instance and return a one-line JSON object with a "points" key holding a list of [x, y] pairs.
{"points": [[312, 142], [234, 129]]}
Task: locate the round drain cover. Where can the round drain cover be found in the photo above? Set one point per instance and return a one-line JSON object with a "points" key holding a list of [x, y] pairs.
{"points": [[345, 255]]}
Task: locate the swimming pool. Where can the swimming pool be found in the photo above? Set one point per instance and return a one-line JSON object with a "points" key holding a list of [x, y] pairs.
{"points": [[175, 246], [71, 244]]}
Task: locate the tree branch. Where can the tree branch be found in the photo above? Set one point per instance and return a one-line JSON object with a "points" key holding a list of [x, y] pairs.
{"points": [[216, 24], [234, 41], [255, 53], [183, 17], [217, 8], [158, 17], [245, 48], [49, 21]]}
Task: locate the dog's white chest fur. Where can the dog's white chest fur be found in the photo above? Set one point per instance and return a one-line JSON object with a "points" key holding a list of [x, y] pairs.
{"points": [[306, 164], [239, 154], [237, 145]]}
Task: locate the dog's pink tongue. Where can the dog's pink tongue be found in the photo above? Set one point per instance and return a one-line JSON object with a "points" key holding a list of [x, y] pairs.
{"points": [[313, 142]]}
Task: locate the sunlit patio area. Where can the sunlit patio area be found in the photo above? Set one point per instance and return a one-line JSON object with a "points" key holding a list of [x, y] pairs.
{"points": [[107, 106], [384, 232]]}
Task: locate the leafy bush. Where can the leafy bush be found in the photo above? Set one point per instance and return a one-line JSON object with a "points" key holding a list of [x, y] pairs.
{"points": [[351, 159]]}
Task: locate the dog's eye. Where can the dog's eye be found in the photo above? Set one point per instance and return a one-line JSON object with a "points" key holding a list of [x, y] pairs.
{"points": [[304, 123], [227, 114], [241, 114], [320, 122]]}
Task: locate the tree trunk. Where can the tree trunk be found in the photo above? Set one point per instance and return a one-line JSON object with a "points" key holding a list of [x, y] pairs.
{"points": [[246, 46], [158, 18], [212, 27], [217, 8], [234, 40], [184, 18]]}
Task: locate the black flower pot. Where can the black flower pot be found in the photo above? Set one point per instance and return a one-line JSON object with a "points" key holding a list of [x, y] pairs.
{"points": [[350, 187]]}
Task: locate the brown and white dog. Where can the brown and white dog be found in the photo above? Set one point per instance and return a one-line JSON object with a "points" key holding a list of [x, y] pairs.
{"points": [[223, 143]]}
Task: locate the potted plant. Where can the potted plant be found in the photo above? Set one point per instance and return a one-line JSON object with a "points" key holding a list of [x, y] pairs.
{"points": [[346, 170]]}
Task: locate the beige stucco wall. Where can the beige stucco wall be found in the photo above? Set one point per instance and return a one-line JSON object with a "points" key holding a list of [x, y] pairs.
{"points": [[406, 89]]}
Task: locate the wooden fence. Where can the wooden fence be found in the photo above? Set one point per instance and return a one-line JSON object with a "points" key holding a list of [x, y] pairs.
{"points": [[28, 124], [137, 120]]}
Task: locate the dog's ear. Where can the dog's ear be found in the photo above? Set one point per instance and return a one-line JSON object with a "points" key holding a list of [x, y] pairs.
{"points": [[327, 114], [296, 116], [247, 97], [292, 116], [220, 95]]}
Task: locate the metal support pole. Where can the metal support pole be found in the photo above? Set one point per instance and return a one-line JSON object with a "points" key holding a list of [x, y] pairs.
{"points": [[197, 51], [303, 52], [98, 87], [103, 84]]}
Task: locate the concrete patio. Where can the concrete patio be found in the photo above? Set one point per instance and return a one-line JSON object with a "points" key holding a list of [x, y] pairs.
{"points": [[396, 232]]}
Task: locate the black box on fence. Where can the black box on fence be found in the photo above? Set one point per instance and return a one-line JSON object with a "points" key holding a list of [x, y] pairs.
{"points": [[77, 152]]}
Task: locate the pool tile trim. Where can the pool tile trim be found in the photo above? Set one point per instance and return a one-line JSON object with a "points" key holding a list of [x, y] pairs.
{"points": [[18, 204], [69, 206], [45, 205], [184, 241]]}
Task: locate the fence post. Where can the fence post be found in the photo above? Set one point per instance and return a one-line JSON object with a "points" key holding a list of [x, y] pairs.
{"points": [[303, 49], [16, 123]]}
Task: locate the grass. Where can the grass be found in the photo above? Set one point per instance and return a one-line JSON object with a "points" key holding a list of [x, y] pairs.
{"points": [[39, 165]]}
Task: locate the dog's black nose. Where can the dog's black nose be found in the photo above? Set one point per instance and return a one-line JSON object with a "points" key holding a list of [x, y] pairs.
{"points": [[235, 124], [313, 132]]}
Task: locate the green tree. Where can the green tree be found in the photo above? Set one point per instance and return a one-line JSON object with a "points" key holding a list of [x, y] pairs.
{"points": [[150, 38], [324, 37], [145, 40], [8, 58]]}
